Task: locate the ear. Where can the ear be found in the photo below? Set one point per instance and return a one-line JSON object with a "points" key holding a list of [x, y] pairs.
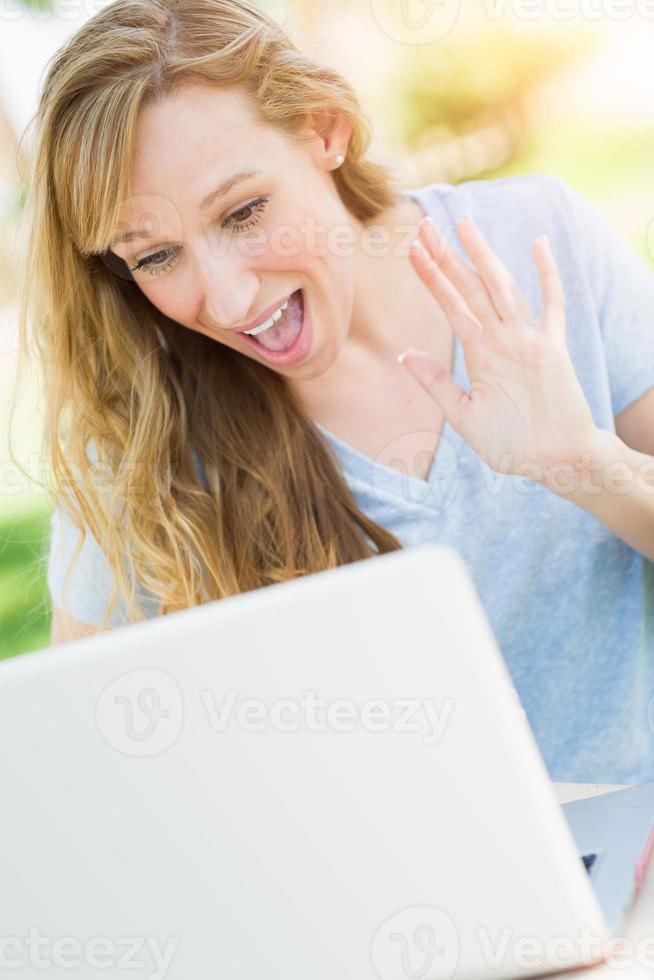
{"points": [[331, 132]]}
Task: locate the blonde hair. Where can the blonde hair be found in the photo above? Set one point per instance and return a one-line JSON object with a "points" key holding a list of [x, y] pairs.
{"points": [[129, 393]]}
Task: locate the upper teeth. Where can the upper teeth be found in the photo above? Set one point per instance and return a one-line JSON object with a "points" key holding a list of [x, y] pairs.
{"points": [[268, 324]]}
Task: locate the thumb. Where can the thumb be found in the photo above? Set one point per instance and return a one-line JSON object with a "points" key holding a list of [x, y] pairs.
{"points": [[436, 381]]}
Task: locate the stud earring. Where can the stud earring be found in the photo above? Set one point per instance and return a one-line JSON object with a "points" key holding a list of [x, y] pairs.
{"points": [[340, 159]]}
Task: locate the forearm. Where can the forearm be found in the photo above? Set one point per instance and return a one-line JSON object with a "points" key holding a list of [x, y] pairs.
{"points": [[615, 484]]}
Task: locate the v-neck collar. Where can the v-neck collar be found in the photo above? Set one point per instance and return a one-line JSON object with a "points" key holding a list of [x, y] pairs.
{"points": [[432, 492]]}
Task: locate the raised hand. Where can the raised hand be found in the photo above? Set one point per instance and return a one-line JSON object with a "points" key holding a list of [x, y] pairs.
{"points": [[525, 412]]}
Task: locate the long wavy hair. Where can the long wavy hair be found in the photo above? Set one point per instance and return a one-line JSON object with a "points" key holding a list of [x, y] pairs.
{"points": [[130, 394]]}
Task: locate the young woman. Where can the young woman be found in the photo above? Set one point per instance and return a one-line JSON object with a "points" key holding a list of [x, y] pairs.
{"points": [[194, 175]]}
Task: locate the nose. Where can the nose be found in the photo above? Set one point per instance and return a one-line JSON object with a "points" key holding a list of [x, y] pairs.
{"points": [[228, 287]]}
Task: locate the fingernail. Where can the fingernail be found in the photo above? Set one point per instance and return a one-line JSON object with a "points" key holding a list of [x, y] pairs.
{"points": [[409, 350], [424, 368], [419, 247]]}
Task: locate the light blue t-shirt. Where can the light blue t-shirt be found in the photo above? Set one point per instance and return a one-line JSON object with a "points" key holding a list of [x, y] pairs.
{"points": [[571, 605]]}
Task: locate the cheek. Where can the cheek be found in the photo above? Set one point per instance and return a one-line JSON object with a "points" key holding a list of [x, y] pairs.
{"points": [[302, 240], [178, 303], [287, 247]]}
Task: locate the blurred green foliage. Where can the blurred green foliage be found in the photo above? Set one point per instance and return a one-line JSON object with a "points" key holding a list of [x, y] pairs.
{"points": [[25, 612], [605, 165], [37, 4], [601, 162], [478, 74]]}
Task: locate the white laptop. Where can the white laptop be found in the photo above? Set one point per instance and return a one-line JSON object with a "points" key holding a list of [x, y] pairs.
{"points": [[326, 778]]}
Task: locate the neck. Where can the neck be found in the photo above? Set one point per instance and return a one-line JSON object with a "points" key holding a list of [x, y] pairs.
{"points": [[391, 311]]}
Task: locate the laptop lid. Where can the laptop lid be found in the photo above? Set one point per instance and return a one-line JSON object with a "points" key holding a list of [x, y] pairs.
{"points": [[326, 777]]}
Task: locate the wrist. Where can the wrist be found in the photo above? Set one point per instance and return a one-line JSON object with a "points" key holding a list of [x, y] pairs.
{"points": [[600, 462]]}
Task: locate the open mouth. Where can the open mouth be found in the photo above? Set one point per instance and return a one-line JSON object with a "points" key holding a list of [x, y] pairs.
{"points": [[283, 339], [286, 330]]}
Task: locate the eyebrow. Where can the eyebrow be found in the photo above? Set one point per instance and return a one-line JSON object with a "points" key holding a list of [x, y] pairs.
{"points": [[206, 202]]}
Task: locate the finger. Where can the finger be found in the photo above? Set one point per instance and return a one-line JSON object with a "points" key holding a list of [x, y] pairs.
{"points": [[553, 318], [463, 277], [437, 382], [503, 290], [455, 308]]}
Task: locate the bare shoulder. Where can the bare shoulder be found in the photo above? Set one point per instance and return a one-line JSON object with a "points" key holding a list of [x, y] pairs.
{"points": [[66, 628]]}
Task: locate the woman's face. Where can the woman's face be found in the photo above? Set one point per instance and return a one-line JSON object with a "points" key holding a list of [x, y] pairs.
{"points": [[281, 232]]}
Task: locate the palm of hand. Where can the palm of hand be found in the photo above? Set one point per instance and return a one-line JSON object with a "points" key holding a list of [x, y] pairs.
{"points": [[525, 409]]}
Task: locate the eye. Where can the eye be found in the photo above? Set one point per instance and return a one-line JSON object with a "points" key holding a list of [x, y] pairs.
{"points": [[253, 211], [150, 262], [160, 261]]}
